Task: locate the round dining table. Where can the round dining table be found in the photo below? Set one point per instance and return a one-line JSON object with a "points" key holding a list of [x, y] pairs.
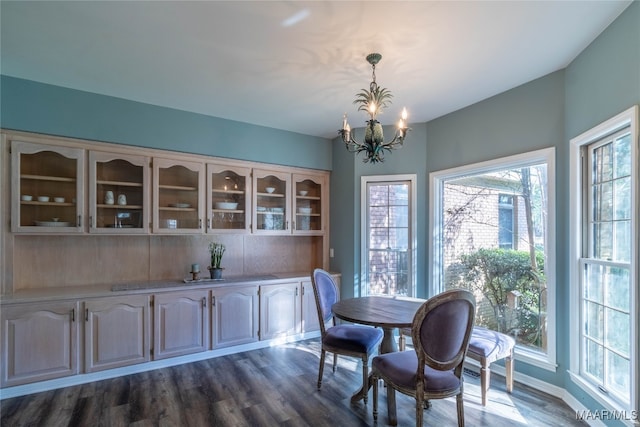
{"points": [[385, 312]]}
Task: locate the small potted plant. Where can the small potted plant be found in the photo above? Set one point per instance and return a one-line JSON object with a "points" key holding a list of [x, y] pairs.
{"points": [[216, 250]]}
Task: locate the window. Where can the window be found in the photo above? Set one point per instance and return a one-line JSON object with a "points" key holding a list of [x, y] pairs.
{"points": [[493, 233], [605, 279], [388, 235], [505, 221]]}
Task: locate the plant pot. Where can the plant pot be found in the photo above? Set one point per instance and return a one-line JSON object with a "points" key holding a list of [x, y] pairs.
{"points": [[216, 273]]}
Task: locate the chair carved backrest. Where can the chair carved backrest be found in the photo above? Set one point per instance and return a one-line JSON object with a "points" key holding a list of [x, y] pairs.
{"points": [[325, 291], [442, 328]]}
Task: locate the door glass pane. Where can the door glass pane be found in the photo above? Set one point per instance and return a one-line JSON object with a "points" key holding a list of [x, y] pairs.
{"points": [[388, 243]]}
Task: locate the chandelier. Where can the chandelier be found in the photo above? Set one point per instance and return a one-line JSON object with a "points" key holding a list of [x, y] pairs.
{"points": [[373, 101]]}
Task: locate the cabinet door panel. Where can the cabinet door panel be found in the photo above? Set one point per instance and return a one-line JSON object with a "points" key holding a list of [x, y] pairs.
{"points": [[235, 316], [39, 342], [181, 324], [49, 188], [279, 310], [116, 332], [310, 320]]}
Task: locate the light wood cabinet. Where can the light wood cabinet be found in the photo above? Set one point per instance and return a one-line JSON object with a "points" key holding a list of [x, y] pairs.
{"points": [[234, 315], [48, 188], [180, 323], [228, 199], [178, 196], [279, 310], [116, 332], [118, 193], [39, 342]]}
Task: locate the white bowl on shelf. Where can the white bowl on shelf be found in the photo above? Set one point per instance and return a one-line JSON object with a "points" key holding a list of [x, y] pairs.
{"points": [[303, 193], [43, 198], [305, 210], [270, 189], [58, 199], [226, 205], [26, 198]]}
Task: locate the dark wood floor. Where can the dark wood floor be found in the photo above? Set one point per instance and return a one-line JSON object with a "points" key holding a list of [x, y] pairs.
{"points": [[269, 387]]}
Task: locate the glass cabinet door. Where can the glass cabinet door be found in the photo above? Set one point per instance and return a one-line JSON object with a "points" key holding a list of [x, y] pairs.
{"points": [[119, 193], [47, 183], [271, 200], [308, 197], [228, 201], [177, 196]]}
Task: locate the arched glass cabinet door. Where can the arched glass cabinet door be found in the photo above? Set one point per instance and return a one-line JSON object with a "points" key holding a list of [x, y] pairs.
{"points": [[271, 198], [178, 197], [48, 188], [308, 209], [228, 199], [118, 193]]}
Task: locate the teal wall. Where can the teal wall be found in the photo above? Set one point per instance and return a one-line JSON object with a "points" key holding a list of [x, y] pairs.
{"points": [[601, 82], [36, 107], [346, 196]]}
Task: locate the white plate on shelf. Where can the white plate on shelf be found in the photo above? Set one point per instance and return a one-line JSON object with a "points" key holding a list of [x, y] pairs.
{"points": [[226, 205], [52, 224], [179, 205]]}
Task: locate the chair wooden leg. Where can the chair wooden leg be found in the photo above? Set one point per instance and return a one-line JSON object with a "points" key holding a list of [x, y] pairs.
{"points": [[485, 376], [419, 409], [460, 408], [320, 371], [391, 406], [508, 364], [365, 380], [375, 397], [335, 361]]}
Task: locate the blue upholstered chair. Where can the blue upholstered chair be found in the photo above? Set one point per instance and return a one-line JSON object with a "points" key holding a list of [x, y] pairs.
{"points": [[349, 340], [440, 333]]}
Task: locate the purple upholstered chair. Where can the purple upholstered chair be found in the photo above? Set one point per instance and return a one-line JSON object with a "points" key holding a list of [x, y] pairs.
{"points": [[440, 333], [349, 340]]}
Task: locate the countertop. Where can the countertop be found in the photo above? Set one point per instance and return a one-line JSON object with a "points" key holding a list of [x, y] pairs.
{"points": [[145, 287]]}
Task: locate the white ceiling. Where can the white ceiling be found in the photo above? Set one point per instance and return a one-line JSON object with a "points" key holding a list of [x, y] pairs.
{"points": [[296, 65]]}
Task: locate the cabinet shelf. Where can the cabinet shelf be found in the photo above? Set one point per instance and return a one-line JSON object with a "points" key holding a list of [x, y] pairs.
{"points": [[311, 214], [120, 183], [227, 191], [177, 187], [48, 178], [307, 198], [227, 211], [270, 195], [170, 208], [270, 213], [36, 203], [103, 206]]}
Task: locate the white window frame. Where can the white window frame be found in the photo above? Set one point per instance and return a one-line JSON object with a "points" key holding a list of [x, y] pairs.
{"points": [[628, 118], [437, 180], [364, 259]]}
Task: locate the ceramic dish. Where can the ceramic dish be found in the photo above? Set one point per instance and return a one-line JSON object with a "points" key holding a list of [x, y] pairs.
{"points": [[302, 193], [261, 209], [58, 199], [179, 205], [270, 189], [305, 210], [26, 198], [52, 224], [43, 198], [226, 205]]}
